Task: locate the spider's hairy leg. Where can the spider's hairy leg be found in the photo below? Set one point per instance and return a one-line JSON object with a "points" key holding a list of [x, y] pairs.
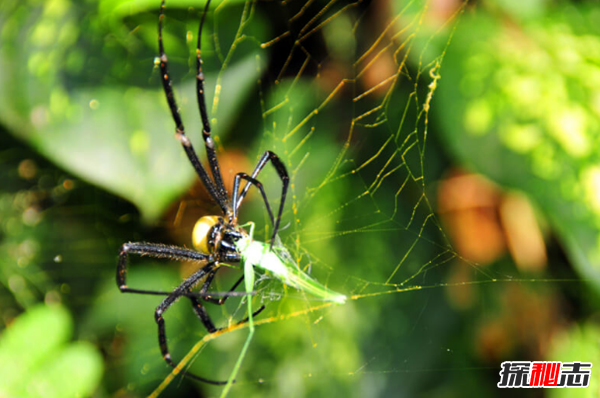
{"points": [[285, 180], [159, 250], [201, 310], [209, 143], [216, 193], [180, 291], [205, 318], [208, 281], [155, 250]]}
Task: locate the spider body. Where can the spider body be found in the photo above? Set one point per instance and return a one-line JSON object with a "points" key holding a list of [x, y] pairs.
{"points": [[213, 235], [218, 239]]}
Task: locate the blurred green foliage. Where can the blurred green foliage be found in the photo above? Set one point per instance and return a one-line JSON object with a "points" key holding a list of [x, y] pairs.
{"points": [[579, 342], [521, 106], [83, 97], [516, 101], [37, 360]]}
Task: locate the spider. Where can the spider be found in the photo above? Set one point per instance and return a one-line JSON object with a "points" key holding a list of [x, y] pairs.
{"points": [[217, 238]]}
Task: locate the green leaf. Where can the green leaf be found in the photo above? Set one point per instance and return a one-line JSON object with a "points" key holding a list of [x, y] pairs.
{"points": [[580, 343], [36, 362], [124, 8], [522, 108], [29, 341], [82, 98], [74, 372]]}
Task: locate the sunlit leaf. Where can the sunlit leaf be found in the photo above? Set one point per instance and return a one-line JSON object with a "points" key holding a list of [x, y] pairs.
{"points": [[48, 327], [580, 343], [37, 361], [75, 371], [88, 113], [520, 104]]}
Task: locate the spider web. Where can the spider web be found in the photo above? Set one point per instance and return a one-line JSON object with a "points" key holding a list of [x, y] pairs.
{"points": [[344, 99]]}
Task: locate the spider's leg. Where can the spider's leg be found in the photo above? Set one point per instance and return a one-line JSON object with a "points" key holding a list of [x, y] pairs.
{"points": [[257, 184], [206, 296], [285, 179], [158, 250], [255, 313], [180, 129], [180, 291], [206, 134], [155, 250], [205, 318], [201, 310]]}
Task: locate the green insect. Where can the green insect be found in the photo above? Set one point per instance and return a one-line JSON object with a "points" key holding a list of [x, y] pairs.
{"points": [[219, 239], [279, 263]]}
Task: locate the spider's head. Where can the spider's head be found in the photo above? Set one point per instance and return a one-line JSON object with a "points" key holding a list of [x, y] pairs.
{"points": [[212, 234]]}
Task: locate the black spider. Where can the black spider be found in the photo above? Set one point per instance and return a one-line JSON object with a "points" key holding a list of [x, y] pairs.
{"points": [[214, 236]]}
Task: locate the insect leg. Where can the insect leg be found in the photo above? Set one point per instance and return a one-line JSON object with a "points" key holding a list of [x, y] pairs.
{"points": [[249, 284]]}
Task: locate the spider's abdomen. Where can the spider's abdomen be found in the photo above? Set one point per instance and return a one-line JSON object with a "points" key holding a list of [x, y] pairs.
{"points": [[203, 235]]}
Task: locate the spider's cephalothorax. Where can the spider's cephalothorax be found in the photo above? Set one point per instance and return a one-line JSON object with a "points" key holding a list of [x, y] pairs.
{"points": [[214, 237]]}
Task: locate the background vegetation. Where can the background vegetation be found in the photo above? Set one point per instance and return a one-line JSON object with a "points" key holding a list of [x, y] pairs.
{"points": [[493, 209]]}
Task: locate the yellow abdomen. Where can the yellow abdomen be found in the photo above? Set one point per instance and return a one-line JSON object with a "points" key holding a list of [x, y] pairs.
{"points": [[201, 233]]}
